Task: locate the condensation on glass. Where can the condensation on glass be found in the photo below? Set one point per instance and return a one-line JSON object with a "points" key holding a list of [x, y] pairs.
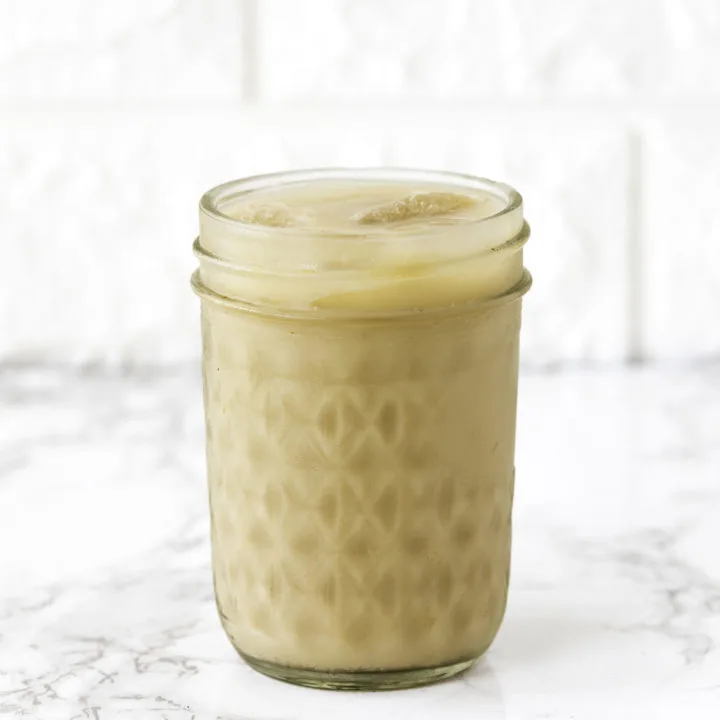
{"points": [[360, 362]]}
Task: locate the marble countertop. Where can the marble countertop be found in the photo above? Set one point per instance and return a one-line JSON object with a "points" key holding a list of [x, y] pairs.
{"points": [[106, 606]]}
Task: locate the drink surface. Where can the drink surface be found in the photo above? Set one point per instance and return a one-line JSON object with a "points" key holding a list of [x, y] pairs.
{"points": [[361, 468], [357, 206]]}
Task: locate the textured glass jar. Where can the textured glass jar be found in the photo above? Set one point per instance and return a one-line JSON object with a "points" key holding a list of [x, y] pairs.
{"points": [[360, 397]]}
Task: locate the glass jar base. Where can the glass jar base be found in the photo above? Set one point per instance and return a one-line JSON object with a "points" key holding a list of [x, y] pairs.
{"points": [[360, 680]]}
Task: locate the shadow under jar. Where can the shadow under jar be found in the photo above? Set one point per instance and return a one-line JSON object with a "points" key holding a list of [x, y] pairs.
{"points": [[360, 365]]}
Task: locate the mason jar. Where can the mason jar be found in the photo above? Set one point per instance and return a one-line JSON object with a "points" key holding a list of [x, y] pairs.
{"points": [[360, 364]]}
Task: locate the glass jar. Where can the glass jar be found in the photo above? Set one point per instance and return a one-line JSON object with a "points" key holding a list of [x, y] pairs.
{"points": [[360, 392]]}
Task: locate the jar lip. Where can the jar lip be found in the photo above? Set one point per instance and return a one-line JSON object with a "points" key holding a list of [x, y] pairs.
{"points": [[211, 202]]}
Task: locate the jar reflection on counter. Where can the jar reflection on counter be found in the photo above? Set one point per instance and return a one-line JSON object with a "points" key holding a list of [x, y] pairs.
{"points": [[360, 387]]}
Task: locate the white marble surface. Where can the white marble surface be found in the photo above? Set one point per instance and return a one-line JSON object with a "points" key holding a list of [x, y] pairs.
{"points": [[106, 600]]}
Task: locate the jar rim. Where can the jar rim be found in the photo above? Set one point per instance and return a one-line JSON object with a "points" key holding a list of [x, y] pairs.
{"points": [[211, 201], [298, 267]]}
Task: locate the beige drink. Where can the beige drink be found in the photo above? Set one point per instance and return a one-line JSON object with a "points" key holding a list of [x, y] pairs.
{"points": [[360, 336]]}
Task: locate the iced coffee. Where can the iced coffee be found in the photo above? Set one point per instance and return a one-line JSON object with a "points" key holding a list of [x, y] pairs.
{"points": [[360, 363]]}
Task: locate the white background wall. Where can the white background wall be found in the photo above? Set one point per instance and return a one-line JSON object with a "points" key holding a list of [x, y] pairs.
{"points": [[115, 115]]}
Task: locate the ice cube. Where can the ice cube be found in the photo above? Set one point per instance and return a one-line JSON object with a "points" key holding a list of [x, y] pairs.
{"points": [[272, 215], [416, 207]]}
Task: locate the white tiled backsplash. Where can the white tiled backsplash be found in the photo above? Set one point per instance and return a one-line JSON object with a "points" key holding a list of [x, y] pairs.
{"points": [[115, 116]]}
